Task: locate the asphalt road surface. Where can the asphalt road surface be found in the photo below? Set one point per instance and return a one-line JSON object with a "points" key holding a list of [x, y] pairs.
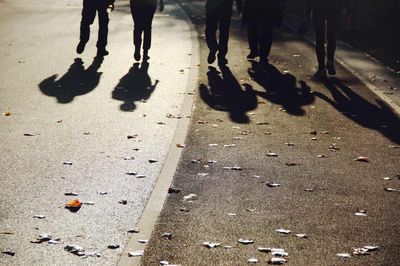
{"points": [[69, 108], [313, 132]]}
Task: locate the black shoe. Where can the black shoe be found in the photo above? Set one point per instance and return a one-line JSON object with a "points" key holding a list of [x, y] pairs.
{"points": [[330, 66], [252, 55], [102, 52], [137, 55], [222, 61], [321, 73], [80, 48], [211, 57]]}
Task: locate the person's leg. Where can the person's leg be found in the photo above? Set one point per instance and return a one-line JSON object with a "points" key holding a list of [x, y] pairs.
{"points": [[103, 29], [266, 37], [88, 15], [224, 27], [149, 12], [320, 29], [211, 32], [332, 26], [252, 34], [137, 15]]}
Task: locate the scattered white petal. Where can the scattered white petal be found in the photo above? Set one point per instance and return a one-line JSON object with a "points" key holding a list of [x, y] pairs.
{"points": [[371, 248], [279, 253], [282, 231], [137, 253], [277, 261], [229, 145], [361, 251], [344, 255], [246, 241], [211, 244], [362, 159], [202, 174], [273, 184], [252, 260], [190, 197], [236, 168]]}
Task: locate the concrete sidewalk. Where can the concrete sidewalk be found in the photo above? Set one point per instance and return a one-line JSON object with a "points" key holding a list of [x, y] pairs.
{"points": [[278, 150]]}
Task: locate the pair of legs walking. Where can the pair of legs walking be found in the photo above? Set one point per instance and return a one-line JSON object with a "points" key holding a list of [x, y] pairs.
{"points": [[260, 35], [218, 20], [90, 8], [325, 25], [143, 17]]}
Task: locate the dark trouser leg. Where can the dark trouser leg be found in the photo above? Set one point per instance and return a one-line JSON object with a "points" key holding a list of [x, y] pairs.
{"points": [[103, 27], [148, 20], [211, 30], [266, 36], [224, 26], [332, 26], [252, 34], [138, 17], [320, 29], [88, 15]]}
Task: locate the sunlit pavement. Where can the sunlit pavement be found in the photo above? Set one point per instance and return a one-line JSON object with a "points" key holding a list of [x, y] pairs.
{"points": [[73, 124], [278, 150]]}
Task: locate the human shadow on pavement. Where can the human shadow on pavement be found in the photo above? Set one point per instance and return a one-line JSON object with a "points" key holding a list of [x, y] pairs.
{"points": [[378, 117], [135, 86], [281, 88], [77, 81], [224, 93]]}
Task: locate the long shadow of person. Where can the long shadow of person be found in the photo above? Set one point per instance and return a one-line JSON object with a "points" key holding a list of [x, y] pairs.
{"points": [[224, 93], [282, 88], [378, 117], [77, 81], [135, 86]]}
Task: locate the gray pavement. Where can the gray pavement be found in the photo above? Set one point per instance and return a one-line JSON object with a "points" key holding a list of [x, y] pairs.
{"points": [[316, 130], [76, 109]]}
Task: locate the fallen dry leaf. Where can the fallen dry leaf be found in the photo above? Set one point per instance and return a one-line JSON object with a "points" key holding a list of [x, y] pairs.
{"points": [[73, 204]]}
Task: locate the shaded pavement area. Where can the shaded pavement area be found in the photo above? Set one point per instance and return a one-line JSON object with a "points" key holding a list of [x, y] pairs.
{"points": [[253, 128]]}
